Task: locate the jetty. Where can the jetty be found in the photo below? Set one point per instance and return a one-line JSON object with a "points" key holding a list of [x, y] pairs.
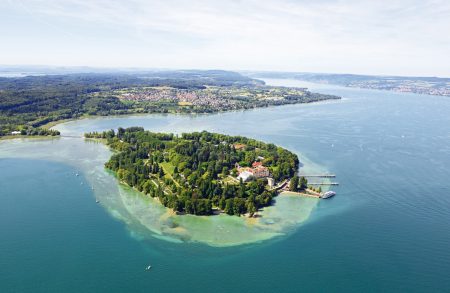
{"points": [[324, 183], [311, 192], [318, 175]]}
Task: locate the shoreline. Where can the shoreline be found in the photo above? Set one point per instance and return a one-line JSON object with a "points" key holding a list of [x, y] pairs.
{"points": [[216, 211], [52, 124], [143, 214], [307, 193], [349, 87]]}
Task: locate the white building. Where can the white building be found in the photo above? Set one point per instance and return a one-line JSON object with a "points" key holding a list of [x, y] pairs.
{"points": [[245, 175]]}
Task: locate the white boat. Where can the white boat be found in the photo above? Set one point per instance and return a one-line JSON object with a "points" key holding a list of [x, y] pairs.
{"points": [[148, 268], [97, 201], [328, 194]]}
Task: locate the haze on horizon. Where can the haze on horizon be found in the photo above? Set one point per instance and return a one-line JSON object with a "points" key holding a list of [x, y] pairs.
{"points": [[399, 37]]}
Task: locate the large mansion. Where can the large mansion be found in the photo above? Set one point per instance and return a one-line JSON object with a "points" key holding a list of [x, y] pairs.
{"points": [[256, 171]]}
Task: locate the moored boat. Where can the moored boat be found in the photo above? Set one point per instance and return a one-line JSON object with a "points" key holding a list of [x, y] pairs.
{"points": [[328, 194]]}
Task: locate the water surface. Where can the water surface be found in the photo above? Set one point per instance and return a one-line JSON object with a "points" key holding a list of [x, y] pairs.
{"points": [[386, 230]]}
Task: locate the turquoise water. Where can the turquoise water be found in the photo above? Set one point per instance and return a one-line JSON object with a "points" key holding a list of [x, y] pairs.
{"points": [[386, 230]]}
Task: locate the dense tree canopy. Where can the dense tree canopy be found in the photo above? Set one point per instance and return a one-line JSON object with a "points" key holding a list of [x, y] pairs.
{"points": [[33, 101], [190, 173]]}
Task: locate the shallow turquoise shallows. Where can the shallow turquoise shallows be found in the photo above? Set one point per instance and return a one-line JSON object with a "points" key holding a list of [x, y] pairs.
{"points": [[387, 230]]}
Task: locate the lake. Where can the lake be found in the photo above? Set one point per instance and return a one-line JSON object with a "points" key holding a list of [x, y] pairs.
{"points": [[386, 230]]}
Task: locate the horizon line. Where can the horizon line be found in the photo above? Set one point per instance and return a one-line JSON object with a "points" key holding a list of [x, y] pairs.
{"points": [[140, 68]]}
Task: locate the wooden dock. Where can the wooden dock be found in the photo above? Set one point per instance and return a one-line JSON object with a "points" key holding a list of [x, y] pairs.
{"points": [[318, 176], [323, 183], [321, 176]]}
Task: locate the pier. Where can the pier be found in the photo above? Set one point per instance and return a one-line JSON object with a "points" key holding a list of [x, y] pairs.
{"points": [[318, 176], [324, 183]]}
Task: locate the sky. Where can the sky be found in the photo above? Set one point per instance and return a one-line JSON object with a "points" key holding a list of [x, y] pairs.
{"points": [[395, 37]]}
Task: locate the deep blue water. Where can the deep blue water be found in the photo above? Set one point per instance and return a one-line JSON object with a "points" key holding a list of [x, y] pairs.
{"points": [[387, 230]]}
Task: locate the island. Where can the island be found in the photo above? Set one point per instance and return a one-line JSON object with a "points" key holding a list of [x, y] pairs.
{"points": [[201, 173], [31, 105]]}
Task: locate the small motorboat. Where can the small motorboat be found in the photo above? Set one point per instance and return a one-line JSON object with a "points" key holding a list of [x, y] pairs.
{"points": [[328, 194], [97, 201], [76, 174], [148, 268]]}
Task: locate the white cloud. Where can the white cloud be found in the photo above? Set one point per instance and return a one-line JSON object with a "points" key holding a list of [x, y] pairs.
{"points": [[381, 37]]}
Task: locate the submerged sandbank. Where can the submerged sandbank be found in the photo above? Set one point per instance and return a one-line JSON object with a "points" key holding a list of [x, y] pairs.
{"points": [[145, 216]]}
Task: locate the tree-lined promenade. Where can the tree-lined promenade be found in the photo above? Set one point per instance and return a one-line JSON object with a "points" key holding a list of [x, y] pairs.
{"points": [[197, 173]]}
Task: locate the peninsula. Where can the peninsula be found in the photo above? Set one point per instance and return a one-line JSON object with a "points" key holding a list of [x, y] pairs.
{"points": [[30, 104], [200, 173]]}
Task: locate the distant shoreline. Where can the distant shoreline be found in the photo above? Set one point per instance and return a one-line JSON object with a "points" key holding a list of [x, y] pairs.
{"points": [[432, 86], [52, 124]]}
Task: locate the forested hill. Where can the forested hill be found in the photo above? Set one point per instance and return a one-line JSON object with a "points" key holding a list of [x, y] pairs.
{"points": [[28, 103], [198, 172], [32, 101]]}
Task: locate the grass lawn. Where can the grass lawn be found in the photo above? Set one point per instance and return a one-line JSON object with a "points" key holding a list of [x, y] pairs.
{"points": [[168, 171], [168, 168], [230, 180]]}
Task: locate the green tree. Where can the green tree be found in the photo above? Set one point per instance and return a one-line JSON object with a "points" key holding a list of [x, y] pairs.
{"points": [[229, 206], [251, 208], [161, 173], [303, 183], [293, 185], [198, 157]]}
